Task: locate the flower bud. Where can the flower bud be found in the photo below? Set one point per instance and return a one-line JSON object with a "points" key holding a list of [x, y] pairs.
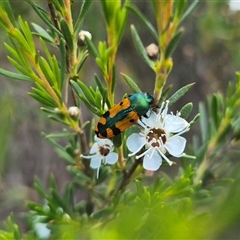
{"points": [[152, 51], [81, 37], [74, 112]]}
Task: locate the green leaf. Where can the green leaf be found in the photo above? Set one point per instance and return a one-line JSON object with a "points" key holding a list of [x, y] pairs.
{"points": [[114, 79], [69, 197], [23, 42], [195, 119], [90, 106], [63, 63], [39, 187], [43, 33], [98, 100], [82, 60], [53, 183], [120, 22], [47, 71], [186, 110], [131, 83], [180, 93], [43, 93], [102, 213], [76, 87], [28, 35], [189, 10], [58, 119], [117, 140], [106, 5], [99, 83], [61, 151], [19, 56], [18, 66], [140, 48], [214, 108], [92, 48], [89, 96], [44, 16], [57, 74], [60, 135], [15, 53], [81, 95], [41, 97], [179, 7], [60, 201], [150, 27], [7, 7], [79, 174], [46, 110], [84, 8], [16, 76], [204, 124], [67, 34], [173, 44]]}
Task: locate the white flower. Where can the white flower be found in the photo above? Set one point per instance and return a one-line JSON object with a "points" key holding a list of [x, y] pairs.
{"points": [[102, 151], [161, 135]]}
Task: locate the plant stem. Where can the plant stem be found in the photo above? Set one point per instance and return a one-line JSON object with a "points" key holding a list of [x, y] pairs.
{"points": [[127, 175]]}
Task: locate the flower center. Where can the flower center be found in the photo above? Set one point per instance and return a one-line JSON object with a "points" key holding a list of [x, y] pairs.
{"points": [[104, 150], [157, 137]]}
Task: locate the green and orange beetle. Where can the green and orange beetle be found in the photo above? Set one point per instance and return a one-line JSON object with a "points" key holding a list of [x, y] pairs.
{"points": [[123, 115]]}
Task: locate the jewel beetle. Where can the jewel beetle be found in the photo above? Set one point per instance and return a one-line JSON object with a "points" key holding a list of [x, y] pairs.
{"points": [[123, 115]]}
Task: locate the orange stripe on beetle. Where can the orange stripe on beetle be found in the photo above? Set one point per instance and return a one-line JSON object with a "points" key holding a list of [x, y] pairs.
{"points": [[123, 115]]}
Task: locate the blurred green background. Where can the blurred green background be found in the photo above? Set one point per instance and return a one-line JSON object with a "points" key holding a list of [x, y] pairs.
{"points": [[208, 54]]}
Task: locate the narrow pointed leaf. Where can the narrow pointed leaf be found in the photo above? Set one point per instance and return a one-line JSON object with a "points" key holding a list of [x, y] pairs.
{"points": [[42, 98], [140, 48], [84, 8], [18, 66], [131, 83], [39, 187], [173, 44], [60, 135], [186, 110], [60, 201], [99, 83], [189, 10], [63, 63], [67, 34], [46, 110], [16, 76], [7, 7], [89, 96], [179, 7], [150, 27], [114, 79], [180, 93], [214, 108], [44, 16]]}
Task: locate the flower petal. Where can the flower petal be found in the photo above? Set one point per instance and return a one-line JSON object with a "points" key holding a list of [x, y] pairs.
{"points": [[95, 162], [174, 124], [135, 142], [175, 145], [94, 148], [151, 120], [103, 141], [111, 158], [152, 160]]}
